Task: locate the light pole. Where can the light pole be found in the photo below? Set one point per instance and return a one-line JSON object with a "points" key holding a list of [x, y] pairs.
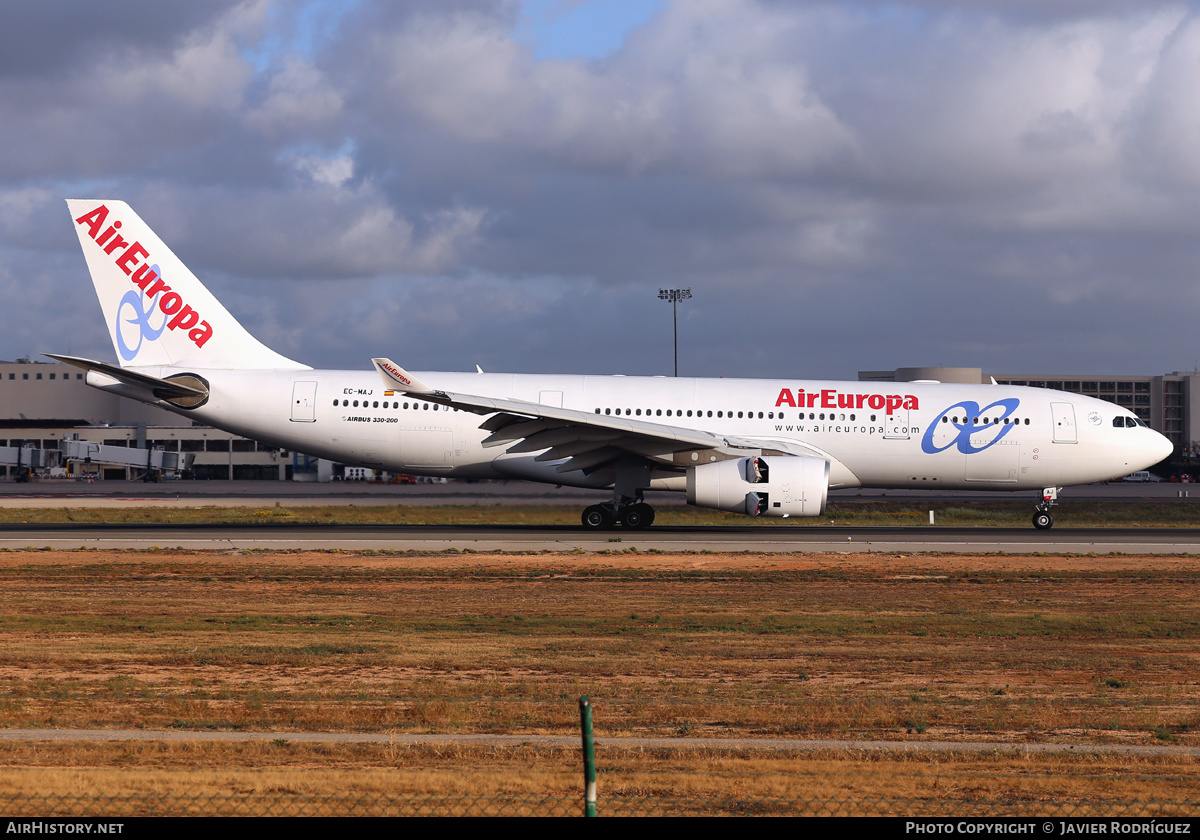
{"points": [[674, 296]]}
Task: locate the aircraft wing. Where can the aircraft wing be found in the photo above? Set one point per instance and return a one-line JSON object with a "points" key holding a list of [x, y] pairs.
{"points": [[587, 441]]}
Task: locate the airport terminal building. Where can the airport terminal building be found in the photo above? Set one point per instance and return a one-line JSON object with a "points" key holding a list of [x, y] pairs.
{"points": [[41, 403]]}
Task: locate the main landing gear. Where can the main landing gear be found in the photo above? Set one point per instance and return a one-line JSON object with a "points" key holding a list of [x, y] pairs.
{"points": [[1042, 519], [631, 513]]}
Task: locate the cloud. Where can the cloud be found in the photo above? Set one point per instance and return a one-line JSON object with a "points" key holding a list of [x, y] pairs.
{"points": [[844, 186]]}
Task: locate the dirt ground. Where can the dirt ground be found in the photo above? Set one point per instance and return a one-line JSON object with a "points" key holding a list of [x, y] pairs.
{"points": [[873, 563], [1082, 651]]}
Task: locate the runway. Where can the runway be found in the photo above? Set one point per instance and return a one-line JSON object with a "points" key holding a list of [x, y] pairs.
{"points": [[759, 539], [803, 537]]}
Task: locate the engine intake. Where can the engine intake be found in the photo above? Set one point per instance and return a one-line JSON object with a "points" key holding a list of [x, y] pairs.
{"points": [[763, 485]]}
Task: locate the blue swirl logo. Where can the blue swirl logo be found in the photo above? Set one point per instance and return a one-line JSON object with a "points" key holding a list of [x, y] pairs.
{"points": [[131, 304], [977, 429]]}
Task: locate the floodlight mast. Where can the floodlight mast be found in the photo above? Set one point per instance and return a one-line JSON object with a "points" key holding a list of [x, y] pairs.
{"points": [[674, 296]]}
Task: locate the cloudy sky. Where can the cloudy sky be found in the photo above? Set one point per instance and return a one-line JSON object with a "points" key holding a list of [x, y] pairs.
{"points": [[844, 186]]}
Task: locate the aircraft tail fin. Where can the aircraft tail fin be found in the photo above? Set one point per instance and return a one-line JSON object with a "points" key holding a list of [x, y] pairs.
{"points": [[158, 313]]}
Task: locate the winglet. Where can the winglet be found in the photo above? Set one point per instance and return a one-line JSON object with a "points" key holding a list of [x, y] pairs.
{"points": [[397, 377]]}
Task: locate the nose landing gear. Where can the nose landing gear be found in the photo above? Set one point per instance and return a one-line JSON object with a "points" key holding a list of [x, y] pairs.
{"points": [[1042, 518]]}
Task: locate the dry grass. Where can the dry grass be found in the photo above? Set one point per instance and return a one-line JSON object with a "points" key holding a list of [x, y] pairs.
{"points": [[283, 778], [1003, 649], [1179, 513]]}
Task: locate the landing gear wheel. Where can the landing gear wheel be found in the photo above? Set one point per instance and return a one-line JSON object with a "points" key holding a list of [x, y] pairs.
{"points": [[1043, 521], [597, 518], [638, 516]]}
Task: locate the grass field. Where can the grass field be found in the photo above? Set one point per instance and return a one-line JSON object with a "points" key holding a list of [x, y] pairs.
{"points": [[1158, 514], [1075, 651]]}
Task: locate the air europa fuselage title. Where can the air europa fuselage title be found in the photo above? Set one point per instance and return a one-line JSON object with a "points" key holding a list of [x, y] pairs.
{"points": [[832, 398], [127, 256]]}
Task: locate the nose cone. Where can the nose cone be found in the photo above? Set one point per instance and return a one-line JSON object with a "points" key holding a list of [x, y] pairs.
{"points": [[1158, 448]]}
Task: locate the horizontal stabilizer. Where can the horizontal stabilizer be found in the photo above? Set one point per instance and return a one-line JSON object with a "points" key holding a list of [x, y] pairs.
{"points": [[165, 389]]}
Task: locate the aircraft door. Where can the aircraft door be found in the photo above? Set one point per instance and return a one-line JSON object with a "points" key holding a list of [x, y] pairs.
{"points": [[304, 402], [1064, 422], [895, 424]]}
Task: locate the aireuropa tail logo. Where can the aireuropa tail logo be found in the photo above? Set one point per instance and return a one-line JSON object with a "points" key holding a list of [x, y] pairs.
{"points": [[131, 311], [975, 428], [176, 314]]}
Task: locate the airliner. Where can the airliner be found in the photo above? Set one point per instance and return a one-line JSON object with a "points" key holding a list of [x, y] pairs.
{"points": [[760, 447]]}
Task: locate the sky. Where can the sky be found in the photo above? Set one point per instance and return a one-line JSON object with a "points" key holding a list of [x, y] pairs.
{"points": [[843, 186]]}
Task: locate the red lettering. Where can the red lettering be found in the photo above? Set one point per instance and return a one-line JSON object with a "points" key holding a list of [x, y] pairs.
{"points": [[845, 401], [827, 398], [93, 220], [144, 276], [170, 303], [910, 402], [187, 318], [116, 243], [785, 398], [893, 402], [201, 334], [859, 400], [111, 230], [812, 400], [159, 286], [875, 401], [131, 254]]}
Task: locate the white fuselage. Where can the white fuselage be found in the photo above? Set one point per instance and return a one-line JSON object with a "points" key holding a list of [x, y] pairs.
{"points": [[922, 435]]}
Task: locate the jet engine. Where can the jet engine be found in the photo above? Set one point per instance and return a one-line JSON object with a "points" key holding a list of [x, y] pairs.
{"points": [[762, 485]]}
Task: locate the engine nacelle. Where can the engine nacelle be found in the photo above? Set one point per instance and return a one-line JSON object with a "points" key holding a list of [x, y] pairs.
{"points": [[764, 485]]}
